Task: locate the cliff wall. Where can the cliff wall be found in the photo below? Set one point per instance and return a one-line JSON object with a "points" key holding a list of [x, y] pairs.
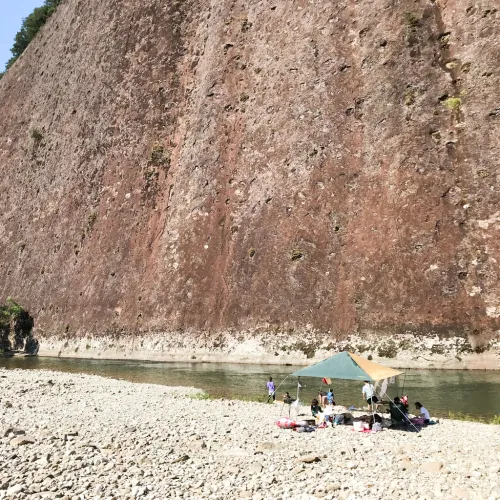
{"points": [[257, 180]]}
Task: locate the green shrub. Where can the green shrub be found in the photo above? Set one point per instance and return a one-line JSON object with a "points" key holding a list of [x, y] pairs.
{"points": [[388, 350], [199, 395], [9, 312], [495, 420], [36, 135], [159, 156], [411, 20], [91, 219], [255, 399], [15, 325], [452, 103], [410, 96]]}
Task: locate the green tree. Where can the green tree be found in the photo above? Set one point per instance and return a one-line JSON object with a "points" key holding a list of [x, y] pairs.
{"points": [[15, 325], [30, 27]]}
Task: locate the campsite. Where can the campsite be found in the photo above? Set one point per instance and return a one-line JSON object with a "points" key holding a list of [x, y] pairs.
{"points": [[349, 366]]}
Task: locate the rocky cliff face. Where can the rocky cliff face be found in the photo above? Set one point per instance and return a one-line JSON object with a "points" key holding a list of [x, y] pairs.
{"points": [[197, 176]]}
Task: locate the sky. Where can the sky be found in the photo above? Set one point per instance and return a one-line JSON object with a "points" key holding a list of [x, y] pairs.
{"points": [[13, 13]]}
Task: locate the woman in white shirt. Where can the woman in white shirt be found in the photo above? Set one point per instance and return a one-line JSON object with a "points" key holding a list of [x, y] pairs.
{"points": [[423, 413]]}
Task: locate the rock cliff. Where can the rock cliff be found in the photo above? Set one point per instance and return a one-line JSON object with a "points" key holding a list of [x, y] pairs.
{"points": [[257, 180]]}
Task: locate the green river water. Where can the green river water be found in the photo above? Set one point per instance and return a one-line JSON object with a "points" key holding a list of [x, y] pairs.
{"points": [[441, 391]]}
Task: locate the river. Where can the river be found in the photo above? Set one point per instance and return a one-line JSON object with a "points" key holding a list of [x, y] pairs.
{"points": [[441, 391]]}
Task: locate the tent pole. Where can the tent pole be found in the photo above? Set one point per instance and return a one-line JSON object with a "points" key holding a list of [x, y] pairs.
{"points": [[404, 381], [282, 382], [371, 402]]}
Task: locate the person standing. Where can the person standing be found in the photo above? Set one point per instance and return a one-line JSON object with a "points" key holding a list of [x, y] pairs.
{"points": [[330, 397], [271, 390], [368, 392]]}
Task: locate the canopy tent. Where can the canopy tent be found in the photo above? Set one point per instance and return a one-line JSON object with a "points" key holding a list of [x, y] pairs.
{"points": [[348, 366]]}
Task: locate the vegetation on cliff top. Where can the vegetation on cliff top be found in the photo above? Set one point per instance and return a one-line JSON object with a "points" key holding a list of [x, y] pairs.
{"points": [[30, 27]]}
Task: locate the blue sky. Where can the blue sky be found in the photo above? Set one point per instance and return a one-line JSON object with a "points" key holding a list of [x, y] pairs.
{"points": [[13, 13]]}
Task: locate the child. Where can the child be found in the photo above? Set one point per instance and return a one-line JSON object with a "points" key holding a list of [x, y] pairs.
{"points": [[423, 413], [330, 397], [315, 408]]}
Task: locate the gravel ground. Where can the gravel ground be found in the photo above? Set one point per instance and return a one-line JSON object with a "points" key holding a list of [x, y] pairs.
{"points": [[86, 437]]}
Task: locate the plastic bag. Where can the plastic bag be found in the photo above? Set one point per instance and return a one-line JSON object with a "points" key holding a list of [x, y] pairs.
{"points": [[360, 426], [320, 418], [285, 423]]}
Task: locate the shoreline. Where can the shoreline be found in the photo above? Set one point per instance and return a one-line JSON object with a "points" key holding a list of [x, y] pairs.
{"points": [[140, 359], [85, 434], [210, 394], [402, 351]]}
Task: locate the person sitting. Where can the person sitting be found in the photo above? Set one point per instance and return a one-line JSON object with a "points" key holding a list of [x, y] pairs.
{"points": [[399, 413], [424, 414], [315, 408], [328, 412], [330, 398], [343, 418]]}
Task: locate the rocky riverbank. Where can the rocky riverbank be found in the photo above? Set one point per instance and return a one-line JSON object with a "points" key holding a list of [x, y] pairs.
{"points": [[80, 437], [281, 347]]}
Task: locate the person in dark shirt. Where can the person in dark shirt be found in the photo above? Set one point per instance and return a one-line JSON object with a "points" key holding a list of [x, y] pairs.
{"points": [[315, 407], [399, 412]]}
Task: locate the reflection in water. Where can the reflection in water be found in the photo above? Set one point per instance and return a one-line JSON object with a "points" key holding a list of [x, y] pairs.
{"points": [[441, 391]]}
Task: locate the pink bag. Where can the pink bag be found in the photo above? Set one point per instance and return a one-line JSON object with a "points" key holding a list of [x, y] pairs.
{"points": [[417, 421]]}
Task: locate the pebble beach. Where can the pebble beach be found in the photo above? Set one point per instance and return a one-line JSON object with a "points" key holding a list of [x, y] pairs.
{"points": [[77, 437]]}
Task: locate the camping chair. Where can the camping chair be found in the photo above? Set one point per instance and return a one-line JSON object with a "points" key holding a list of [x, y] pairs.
{"points": [[289, 402], [398, 416]]}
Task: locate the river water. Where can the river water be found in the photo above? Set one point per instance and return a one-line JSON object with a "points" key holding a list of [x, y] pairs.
{"points": [[441, 391]]}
